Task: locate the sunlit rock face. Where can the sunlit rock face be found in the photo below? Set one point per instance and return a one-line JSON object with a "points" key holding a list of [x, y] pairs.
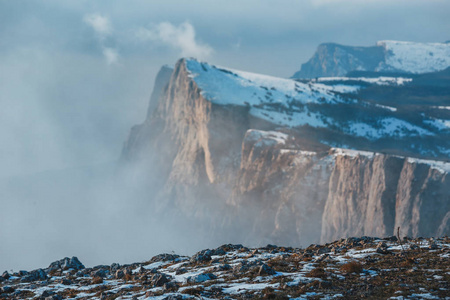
{"points": [[264, 160]]}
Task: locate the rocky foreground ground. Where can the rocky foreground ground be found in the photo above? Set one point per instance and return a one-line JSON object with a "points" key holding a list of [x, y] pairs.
{"points": [[352, 268]]}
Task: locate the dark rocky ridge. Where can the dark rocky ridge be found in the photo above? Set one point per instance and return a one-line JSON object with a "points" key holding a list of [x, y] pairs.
{"points": [[203, 160]]}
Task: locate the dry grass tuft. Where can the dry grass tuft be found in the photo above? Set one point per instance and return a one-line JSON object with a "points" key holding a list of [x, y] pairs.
{"points": [[317, 273], [352, 267], [97, 280]]}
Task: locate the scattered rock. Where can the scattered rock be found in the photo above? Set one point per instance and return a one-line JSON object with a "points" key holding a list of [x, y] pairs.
{"points": [[433, 246], [100, 273], [35, 275], [265, 270], [201, 278], [65, 264], [164, 257], [6, 275], [119, 274], [160, 279], [202, 256], [114, 267], [7, 289]]}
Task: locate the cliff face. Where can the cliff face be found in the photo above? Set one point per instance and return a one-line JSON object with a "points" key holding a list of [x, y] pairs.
{"points": [[304, 195], [337, 60], [216, 161], [375, 195]]}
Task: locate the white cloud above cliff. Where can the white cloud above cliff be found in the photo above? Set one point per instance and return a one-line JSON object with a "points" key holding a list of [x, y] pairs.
{"points": [[99, 23], [103, 28], [181, 37]]}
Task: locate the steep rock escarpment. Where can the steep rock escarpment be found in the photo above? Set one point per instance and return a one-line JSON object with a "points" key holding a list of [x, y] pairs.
{"points": [[376, 195], [208, 157], [194, 142], [303, 195]]}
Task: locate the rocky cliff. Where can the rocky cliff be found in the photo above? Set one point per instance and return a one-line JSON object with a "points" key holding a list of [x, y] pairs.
{"points": [[387, 56], [248, 155]]}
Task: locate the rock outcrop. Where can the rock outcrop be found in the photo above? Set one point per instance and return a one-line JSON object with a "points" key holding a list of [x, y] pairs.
{"points": [[222, 155]]}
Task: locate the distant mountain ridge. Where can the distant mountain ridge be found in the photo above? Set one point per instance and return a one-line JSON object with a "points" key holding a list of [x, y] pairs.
{"points": [[332, 59]]}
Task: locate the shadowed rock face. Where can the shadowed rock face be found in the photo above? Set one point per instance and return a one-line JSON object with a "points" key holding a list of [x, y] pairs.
{"points": [[243, 176], [337, 60]]}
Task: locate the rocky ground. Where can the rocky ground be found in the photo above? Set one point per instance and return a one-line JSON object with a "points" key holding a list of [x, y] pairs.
{"points": [[352, 268]]}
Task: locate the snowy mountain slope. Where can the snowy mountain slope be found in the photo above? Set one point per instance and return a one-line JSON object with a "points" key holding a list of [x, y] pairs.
{"points": [[387, 56], [415, 58], [328, 103]]}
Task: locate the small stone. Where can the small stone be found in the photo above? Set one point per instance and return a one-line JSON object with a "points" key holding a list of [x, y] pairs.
{"points": [[160, 279], [114, 267], [201, 278], [323, 250], [202, 256], [6, 275], [382, 250], [119, 274], [433, 246], [180, 271], [265, 270], [7, 289]]}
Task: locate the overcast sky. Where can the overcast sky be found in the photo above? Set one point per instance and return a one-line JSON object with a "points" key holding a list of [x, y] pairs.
{"points": [[75, 75]]}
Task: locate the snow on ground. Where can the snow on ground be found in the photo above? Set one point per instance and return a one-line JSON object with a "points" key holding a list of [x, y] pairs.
{"points": [[415, 57], [393, 109], [441, 107], [439, 123], [386, 127], [351, 153], [382, 80], [443, 167], [227, 86], [289, 103]]}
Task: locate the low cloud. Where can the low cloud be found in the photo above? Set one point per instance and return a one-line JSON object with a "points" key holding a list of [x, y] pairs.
{"points": [[111, 55], [181, 37], [99, 23], [102, 27]]}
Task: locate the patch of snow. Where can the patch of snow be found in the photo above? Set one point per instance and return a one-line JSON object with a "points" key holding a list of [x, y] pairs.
{"points": [[441, 166], [415, 57], [271, 137], [386, 107], [441, 107], [424, 296], [439, 123], [387, 127], [152, 266], [382, 80], [351, 153], [238, 288]]}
